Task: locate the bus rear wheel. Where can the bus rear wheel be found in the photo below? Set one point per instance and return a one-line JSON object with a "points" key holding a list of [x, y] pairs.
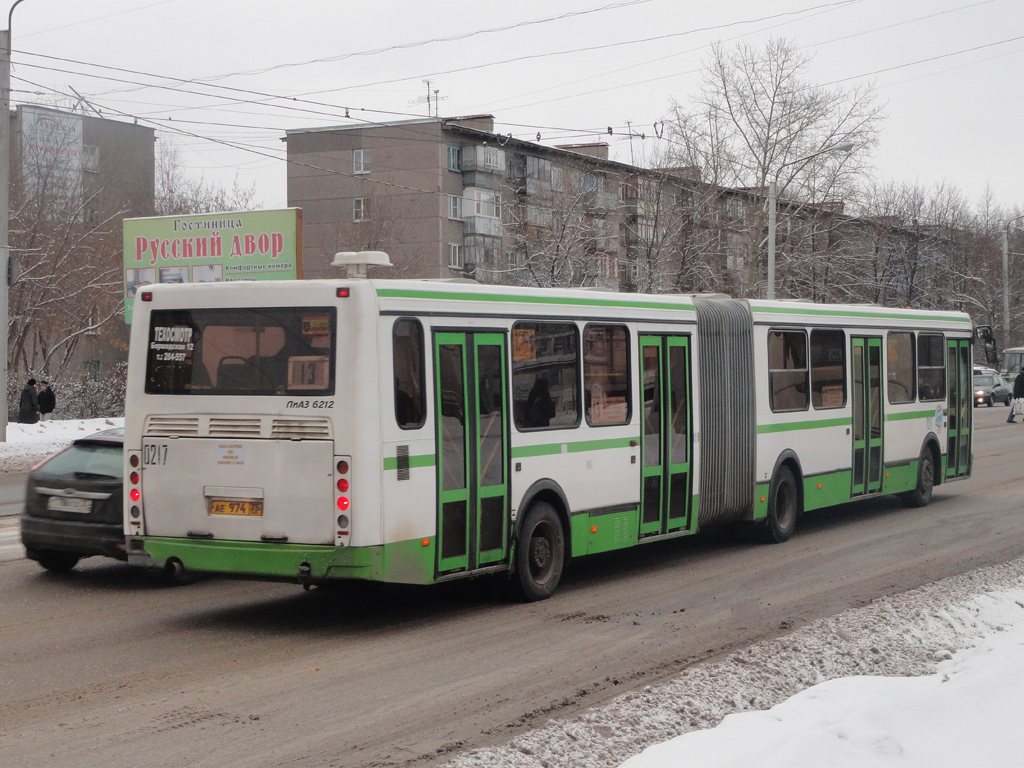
{"points": [[540, 554], [783, 505]]}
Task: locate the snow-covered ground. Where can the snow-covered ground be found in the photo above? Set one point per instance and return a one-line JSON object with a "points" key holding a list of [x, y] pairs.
{"points": [[929, 678], [27, 444]]}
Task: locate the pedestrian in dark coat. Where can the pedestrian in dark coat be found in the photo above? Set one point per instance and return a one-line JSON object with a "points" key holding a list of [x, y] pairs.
{"points": [[1018, 392], [47, 401], [28, 408]]}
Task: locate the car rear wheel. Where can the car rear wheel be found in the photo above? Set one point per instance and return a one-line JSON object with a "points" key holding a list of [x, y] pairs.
{"points": [[58, 562]]}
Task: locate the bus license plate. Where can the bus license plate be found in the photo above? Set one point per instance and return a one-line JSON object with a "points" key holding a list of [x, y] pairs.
{"points": [[235, 507]]}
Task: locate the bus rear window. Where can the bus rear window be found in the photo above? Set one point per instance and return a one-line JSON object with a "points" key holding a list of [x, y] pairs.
{"points": [[265, 351]]}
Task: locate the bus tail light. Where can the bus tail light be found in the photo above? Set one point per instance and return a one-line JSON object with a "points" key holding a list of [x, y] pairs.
{"points": [[342, 498], [134, 482]]}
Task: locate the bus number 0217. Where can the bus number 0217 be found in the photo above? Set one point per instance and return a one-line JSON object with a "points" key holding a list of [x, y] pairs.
{"points": [[153, 455]]}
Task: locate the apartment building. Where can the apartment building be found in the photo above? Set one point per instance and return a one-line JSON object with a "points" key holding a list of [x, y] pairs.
{"points": [[73, 179], [448, 197]]}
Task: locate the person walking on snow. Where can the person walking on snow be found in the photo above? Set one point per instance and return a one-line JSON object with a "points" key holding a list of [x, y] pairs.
{"points": [[1018, 392], [47, 401], [28, 407]]}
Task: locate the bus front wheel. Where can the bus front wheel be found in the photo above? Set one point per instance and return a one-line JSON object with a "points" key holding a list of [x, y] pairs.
{"points": [[540, 554], [783, 503], [921, 496]]}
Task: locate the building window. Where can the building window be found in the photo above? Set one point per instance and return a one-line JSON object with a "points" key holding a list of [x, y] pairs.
{"points": [[538, 168], [455, 259], [556, 180], [454, 207], [361, 161], [493, 158], [361, 209], [787, 370], [90, 158], [454, 158], [94, 323], [607, 266], [482, 202]]}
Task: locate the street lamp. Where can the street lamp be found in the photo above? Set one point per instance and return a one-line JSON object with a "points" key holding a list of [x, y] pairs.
{"points": [[5, 172], [773, 206], [1006, 280]]}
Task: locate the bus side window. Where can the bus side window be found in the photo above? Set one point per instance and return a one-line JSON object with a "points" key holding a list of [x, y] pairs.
{"points": [[606, 396], [545, 375], [901, 366], [931, 366], [787, 370], [407, 357]]}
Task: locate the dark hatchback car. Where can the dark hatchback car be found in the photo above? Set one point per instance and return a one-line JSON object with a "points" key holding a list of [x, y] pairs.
{"points": [[73, 505]]}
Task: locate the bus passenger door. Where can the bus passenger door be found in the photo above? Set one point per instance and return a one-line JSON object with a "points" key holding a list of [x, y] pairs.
{"points": [[867, 415], [666, 438], [472, 439], [959, 370]]}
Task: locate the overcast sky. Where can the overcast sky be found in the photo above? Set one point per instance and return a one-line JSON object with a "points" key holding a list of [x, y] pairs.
{"points": [[226, 78]]}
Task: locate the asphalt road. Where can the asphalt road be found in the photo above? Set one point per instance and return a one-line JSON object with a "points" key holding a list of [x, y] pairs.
{"points": [[106, 666], [12, 493]]}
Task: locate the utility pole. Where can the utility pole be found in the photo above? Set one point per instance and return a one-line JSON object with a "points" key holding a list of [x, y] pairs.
{"points": [[5, 172], [1006, 281], [5, 175]]}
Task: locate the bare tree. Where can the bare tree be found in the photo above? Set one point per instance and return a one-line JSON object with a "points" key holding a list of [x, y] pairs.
{"points": [[177, 193], [756, 119], [68, 252], [559, 236]]}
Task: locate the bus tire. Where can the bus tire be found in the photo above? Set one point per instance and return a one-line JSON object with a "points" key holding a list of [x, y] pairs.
{"points": [[540, 554], [783, 505], [921, 496]]}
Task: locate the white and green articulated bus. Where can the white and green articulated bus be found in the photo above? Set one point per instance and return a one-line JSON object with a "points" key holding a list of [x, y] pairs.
{"points": [[418, 431]]}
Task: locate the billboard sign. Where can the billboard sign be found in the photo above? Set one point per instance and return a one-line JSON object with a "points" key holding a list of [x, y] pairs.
{"points": [[211, 248], [51, 154]]}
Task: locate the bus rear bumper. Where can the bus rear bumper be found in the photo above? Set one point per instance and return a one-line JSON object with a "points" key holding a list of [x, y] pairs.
{"points": [[305, 564]]}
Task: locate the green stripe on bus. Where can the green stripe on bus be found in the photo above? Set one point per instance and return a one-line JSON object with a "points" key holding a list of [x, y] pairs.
{"points": [[526, 451], [792, 426], [603, 445], [909, 415], [395, 293], [426, 460], [880, 314], [582, 446]]}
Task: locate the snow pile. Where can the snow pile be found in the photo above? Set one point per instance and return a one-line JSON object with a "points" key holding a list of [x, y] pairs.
{"points": [[28, 444], [858, 721]]}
